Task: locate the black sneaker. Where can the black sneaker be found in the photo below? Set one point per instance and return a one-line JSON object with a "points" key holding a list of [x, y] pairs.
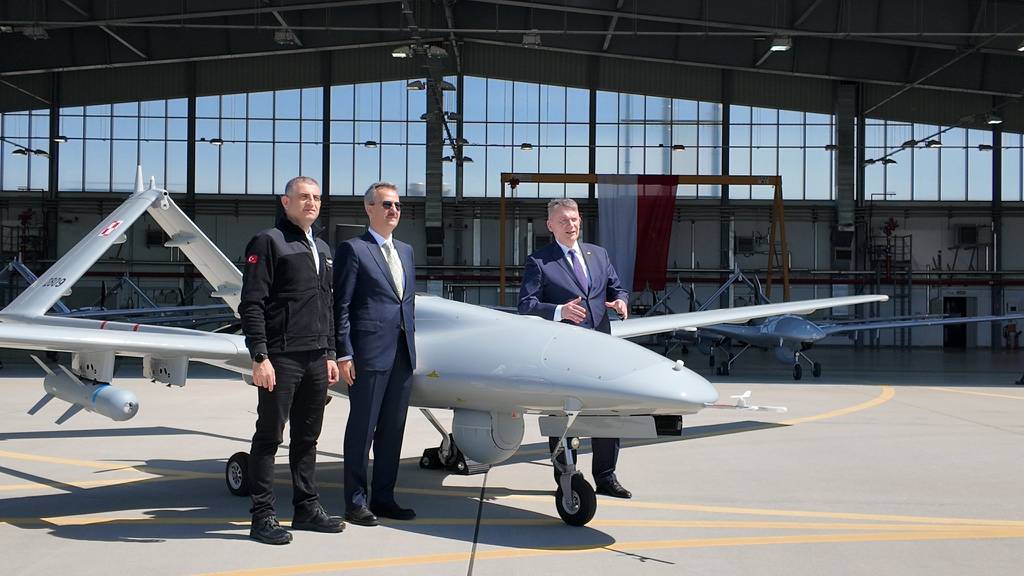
{"points": [[316, 519], [268, 530]]}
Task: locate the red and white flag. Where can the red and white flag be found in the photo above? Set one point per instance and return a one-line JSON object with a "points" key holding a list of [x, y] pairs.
{"points": [[635, 226]]}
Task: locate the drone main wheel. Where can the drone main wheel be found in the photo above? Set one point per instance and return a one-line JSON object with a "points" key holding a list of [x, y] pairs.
{"points": [[236, 474], [816, 369], [584, 502], [798, 371]]}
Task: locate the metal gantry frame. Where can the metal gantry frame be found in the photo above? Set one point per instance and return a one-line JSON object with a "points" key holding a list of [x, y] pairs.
{"points": [[778, 216]]}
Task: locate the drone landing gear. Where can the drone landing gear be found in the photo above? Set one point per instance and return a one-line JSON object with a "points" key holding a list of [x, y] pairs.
{"points": [[447, 456], [575, 499], [236, 474], [726, 367], [798, 370]]}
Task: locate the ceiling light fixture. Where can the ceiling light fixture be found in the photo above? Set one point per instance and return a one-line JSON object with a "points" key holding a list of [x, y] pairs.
{"points": [[933, 144], [887, 161], [452, 115], [402, 52], [869, 161], [436, 52], [781, 44], [526, 146], [446, 86], [467, 160], [909, 143], [285, 37], [60, 139], [985, 147], [416, 85], [370, 143], [35, 32], [993, 119], [20, 151], [1020, 47], [678, 147], [531, 39], [217, 141]]}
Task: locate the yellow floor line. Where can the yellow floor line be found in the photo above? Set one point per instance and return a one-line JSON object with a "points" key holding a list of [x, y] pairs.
{"points": [[884, 396], [972, 393], [500, 554], [90, 520]]}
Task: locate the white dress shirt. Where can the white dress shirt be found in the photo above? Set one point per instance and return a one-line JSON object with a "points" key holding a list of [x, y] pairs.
{"points": [[583, 264]]}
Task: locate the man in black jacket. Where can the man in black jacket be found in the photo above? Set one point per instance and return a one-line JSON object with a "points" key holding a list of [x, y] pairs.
{"points": [[288, 322]]}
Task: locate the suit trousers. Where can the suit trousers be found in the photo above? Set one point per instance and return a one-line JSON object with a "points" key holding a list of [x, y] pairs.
{"points": [[299, 396], [378, 405], [605, 456]]}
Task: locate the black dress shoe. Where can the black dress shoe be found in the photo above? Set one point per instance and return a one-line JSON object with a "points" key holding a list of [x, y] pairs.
{"points": [[361, 516], [316, 519], [393, 510], [266, 529], [614, 489]]}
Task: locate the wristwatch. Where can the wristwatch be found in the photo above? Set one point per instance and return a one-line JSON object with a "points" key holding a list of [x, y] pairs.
{"points": [[259, 357]]}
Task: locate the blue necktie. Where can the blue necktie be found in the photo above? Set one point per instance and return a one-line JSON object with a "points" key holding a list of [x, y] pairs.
{"points": [[577, 269]]}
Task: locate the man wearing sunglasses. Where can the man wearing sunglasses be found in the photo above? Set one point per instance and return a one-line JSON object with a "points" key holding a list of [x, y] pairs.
{"points": [[374, 299]]}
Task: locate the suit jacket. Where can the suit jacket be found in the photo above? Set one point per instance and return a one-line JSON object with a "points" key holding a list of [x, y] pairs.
{"points": [[369, 318], [548, 281]]}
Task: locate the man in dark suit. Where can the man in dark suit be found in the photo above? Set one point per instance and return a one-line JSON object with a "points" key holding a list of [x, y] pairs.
{"points": [[374, 299], [569, 281]]}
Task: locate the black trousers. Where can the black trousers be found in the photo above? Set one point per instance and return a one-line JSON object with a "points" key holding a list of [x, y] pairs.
{"points": [[299, 396], [378, 405], [606, 455]]}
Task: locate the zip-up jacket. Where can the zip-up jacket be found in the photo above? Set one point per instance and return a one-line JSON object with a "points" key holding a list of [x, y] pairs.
{"points": [[287, 306]]}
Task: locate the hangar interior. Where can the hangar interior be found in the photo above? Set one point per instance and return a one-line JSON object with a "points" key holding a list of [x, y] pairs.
{"points": [[895, 126]]}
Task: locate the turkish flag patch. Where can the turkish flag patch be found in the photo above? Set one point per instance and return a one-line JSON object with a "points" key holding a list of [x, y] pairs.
{"points": [[253, 259]]}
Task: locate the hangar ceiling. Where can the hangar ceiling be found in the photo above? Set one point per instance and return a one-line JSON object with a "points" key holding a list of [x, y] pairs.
{"points": [[897, 49]]}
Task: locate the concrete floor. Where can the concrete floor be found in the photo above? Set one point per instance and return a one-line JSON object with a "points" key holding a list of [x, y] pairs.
{"points": [[891, 463]]}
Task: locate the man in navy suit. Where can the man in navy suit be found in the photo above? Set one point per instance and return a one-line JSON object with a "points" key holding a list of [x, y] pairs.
{"points": [[374, 299], [569, 281]]}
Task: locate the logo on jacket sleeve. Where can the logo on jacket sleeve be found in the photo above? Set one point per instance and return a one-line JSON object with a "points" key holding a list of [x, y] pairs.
{"points": [[253, 258]]}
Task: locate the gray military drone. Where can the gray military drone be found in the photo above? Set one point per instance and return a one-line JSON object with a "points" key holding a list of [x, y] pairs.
{"points": [[488, 366], [789, 336]]}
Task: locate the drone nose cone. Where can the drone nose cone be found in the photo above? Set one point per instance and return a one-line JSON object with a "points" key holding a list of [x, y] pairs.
{"points": [[801, 329], [701, 391], [673, 389]]}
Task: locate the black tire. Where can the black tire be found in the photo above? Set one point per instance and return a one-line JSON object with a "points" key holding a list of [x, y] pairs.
{"points": [[816, 369], [798, 371], [583, 497], [430, 460], [236, 474]]}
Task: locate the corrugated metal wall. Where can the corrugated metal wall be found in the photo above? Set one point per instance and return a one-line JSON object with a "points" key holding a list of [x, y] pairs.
{"points": [[638, 76]]}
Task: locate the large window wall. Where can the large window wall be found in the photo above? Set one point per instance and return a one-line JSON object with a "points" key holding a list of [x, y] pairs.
{"points": [[106, 142], [24, 131], [524, 127], [263, 139], [794, 145], [1013, 167], [253, 143], [377, 133], [927, 162], [637, 134]]}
